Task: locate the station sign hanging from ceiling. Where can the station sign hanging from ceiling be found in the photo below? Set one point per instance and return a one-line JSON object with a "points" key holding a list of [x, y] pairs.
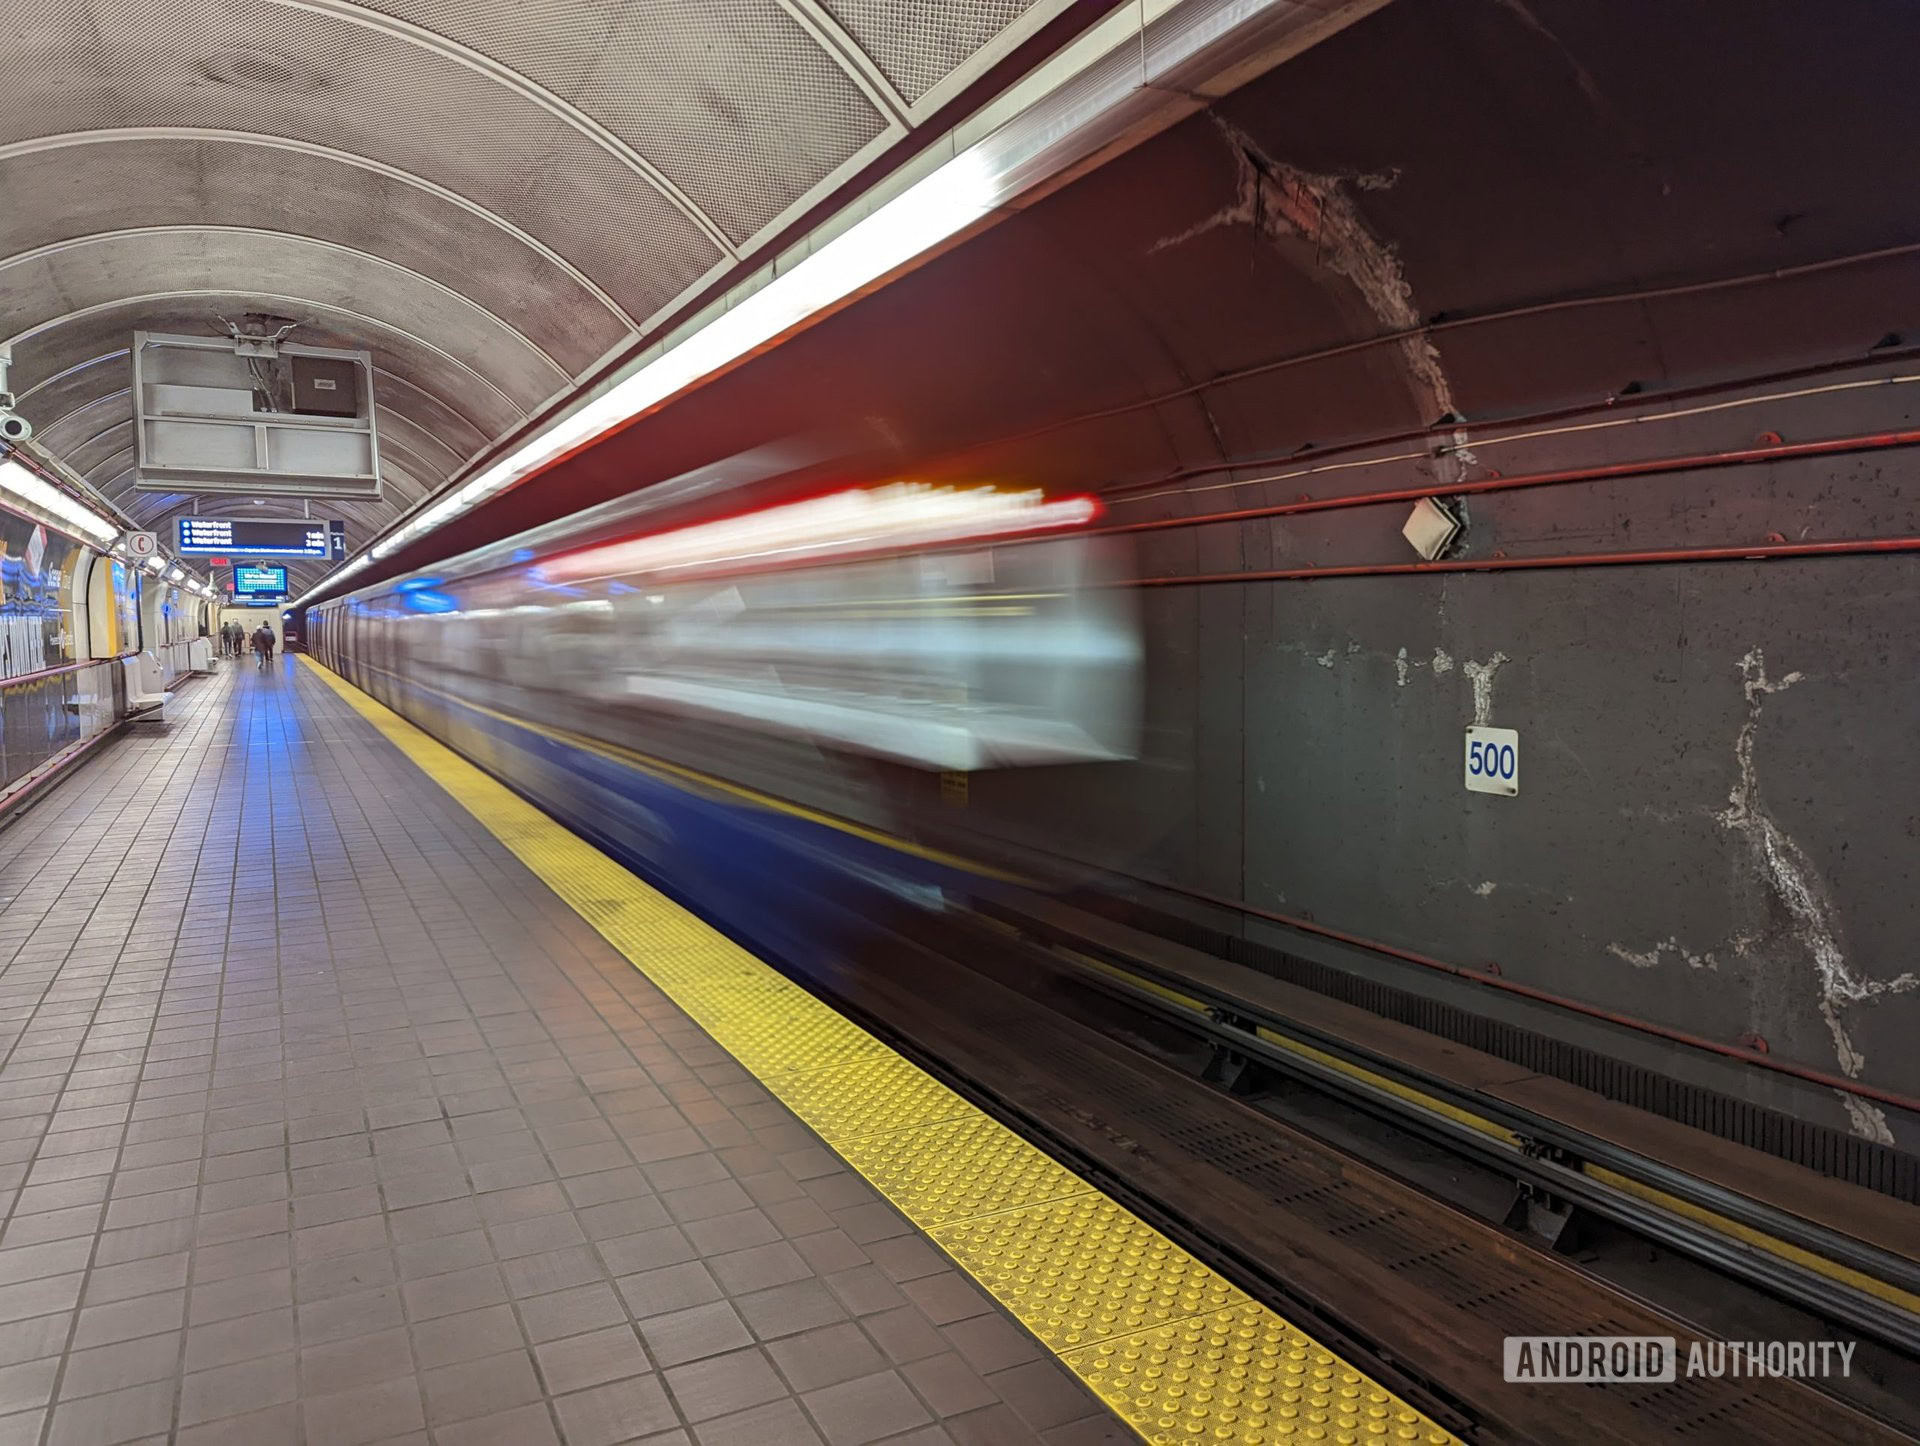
{"points": [[261, 537]]}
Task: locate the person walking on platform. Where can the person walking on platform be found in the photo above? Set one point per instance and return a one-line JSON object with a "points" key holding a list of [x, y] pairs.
{"points": [[263, 645]]}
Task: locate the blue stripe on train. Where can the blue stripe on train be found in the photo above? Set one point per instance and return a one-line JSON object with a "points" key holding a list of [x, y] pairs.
{"points": [[781, 885]]}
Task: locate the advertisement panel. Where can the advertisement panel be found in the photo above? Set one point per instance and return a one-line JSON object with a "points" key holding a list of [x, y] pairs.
{"points": [[125, 634], [36, 596]]}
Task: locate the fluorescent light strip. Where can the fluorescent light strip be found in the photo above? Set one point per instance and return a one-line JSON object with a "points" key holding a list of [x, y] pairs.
{"points": [[31, 488], [1010, 157], [952, 198]]}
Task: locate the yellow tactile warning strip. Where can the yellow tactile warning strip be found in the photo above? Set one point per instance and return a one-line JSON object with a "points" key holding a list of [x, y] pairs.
{"points": [[1176, 1350]]}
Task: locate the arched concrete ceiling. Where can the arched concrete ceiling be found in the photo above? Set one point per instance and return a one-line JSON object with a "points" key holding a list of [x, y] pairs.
{"points": [[490, 196]]}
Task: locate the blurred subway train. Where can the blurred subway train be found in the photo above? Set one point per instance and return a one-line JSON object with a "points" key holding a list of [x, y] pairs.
{"points": [[770, 713]]}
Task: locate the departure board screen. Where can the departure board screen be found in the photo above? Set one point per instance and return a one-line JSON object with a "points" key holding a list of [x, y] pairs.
{"points": [[265, 583], [257, 537]]}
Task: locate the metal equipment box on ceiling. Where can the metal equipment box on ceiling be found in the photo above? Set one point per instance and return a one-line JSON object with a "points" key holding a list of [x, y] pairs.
{"points": [[253, 415], [325, 386]]}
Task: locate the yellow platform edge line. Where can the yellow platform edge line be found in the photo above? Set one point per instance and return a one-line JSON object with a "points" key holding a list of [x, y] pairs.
{"points": [[1175, 1350]]}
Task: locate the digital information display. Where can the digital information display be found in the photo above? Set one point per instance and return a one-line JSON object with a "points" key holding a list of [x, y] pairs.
{"points": [[262, 537], [265, 583]]}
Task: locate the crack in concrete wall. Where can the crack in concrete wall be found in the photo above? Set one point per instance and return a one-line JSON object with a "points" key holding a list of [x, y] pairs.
{"points": [[1277, 200], [1796, 885]]}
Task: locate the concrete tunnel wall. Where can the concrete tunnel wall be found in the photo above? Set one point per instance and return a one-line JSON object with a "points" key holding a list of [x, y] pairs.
{"points": [[1719, 817], [1717, 828]]}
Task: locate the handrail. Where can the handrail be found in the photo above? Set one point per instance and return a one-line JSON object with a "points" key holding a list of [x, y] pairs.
{"points": [[55, 671]]}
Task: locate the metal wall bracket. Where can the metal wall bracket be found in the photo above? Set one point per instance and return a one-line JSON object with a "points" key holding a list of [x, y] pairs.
{"points": [[1227, 1068], [1537, 1209], [1545, 1215]]}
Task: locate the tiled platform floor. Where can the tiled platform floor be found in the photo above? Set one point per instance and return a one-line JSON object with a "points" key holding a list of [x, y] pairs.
{"points": [[323, 1121]]}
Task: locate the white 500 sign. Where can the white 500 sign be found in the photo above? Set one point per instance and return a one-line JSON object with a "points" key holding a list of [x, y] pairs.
{"points": [[1493, 761]]}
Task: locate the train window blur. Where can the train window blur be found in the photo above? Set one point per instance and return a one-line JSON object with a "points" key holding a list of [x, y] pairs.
{"points": [[939, 627]]}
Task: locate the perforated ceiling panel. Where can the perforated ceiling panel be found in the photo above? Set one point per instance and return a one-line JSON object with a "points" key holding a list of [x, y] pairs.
{"points": [[729, 99], [492, 196], [918, 46], [46, 285], [277, 70], [106, 188]]}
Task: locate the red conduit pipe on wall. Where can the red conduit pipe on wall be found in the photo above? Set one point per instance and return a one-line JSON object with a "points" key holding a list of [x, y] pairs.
{"points": [[1759, 552], [1310, 456], [1701, 461], [1427, 330]]}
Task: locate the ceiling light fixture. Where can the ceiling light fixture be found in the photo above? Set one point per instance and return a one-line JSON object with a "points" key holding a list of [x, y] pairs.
{"points": [[31, 488]]}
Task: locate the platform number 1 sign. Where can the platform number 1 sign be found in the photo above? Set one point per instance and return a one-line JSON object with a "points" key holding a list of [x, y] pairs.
{"points": [[1493, 761]]}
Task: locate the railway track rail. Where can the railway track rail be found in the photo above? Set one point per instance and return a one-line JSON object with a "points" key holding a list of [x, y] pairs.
{"points": [[1837, 1251], [1420, 1292]]}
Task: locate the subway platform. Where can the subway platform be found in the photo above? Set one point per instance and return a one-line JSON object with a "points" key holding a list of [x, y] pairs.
{"points": [[324, 1120]]}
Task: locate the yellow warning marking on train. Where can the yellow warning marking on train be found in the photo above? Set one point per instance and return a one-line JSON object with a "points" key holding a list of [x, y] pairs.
{"points": [[1173, 1347]]}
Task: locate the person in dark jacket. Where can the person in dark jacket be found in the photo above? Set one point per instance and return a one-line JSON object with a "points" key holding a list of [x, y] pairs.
{"points": [[263, 645]]}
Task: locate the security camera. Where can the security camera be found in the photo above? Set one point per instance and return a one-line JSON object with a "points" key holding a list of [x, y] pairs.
{"points": [[14, 427]]}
